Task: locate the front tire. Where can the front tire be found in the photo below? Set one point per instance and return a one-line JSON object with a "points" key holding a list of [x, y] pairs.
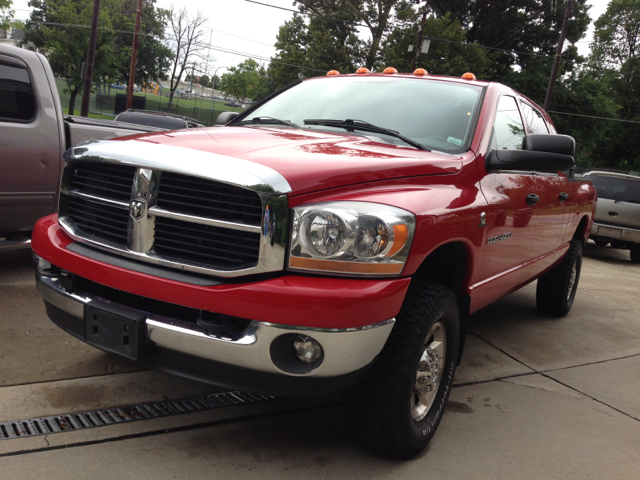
{"points": [[557, 288], [635, 254], [398, 407]]}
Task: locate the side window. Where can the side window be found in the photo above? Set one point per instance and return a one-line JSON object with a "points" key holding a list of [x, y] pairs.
{"points": [[508, 130], [534, 119], [17, 101]]}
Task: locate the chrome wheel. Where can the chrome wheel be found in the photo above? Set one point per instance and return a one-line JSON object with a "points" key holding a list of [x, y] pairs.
{"points": [[429, 372], [572, 278]]}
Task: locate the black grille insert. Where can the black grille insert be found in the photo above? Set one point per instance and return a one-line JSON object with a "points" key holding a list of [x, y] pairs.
{"points": [[205, 244], [105, 180], [97, 220], [208, 198]]}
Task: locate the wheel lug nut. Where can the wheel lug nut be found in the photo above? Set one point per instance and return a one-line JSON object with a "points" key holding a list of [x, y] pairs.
{"points": [[423, 380], [424, 366]]}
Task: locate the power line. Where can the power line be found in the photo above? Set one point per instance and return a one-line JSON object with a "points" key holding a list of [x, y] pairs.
{"points": [[591, 116]]}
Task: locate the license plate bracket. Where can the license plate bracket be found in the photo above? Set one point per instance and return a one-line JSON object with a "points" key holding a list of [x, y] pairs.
{"points": [[116, 330]]}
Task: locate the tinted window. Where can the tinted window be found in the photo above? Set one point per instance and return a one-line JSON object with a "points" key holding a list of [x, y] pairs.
{"points": [[619, 189], [437, 114], [17, 102], [508, 130], [534, 119]]}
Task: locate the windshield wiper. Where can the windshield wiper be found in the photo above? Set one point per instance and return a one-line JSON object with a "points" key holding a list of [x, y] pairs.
{"points": [[267, 120], [351, 125]]}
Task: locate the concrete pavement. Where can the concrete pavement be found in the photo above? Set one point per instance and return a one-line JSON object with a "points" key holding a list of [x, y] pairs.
{"points": [[535, 398]]}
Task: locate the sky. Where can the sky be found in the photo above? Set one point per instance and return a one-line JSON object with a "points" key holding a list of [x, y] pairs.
{"points": [[258, 26]]}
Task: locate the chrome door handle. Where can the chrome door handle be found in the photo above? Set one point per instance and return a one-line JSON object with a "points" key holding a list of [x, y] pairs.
{"points": [[532, 199]]}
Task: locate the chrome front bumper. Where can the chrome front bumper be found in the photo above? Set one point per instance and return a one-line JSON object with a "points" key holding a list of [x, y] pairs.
{"points": [[615, 233], [345, 350]]}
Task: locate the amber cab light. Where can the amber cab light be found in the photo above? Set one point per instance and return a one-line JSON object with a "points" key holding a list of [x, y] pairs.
{"points": [[420, 71], [389, 71], [332, 73], [468, 76], [362, 71]]}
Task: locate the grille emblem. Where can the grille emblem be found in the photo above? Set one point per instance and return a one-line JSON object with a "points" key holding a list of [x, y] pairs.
{"points": [[136, 209]]}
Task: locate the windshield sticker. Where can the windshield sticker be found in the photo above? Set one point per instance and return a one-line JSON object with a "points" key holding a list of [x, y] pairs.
{"points": [[454, 140]]}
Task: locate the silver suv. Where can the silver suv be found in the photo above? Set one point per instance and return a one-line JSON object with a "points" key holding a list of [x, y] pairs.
{"points": [[617, 217]]}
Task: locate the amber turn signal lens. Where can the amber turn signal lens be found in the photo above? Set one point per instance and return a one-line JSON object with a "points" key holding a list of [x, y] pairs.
{"points": [[400, 236], [345, 267], [469, 76], [420, 71], [362, 71], [389, 71], [332, 73]]}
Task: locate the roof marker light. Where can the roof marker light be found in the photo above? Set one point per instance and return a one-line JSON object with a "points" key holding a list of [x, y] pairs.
{"points": [[469, 76], [420, 71], [332, 73], [389, 71], [362, 71]]}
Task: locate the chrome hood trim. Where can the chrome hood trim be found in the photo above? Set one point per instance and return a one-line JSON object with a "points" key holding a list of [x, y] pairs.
{"points": [[197, 163]]}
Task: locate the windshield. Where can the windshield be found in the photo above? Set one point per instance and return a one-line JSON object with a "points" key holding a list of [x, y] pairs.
{"points": [[437, 114], [619, 189]]}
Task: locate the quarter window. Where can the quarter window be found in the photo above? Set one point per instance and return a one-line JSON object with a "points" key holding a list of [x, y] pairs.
{"points": [[508, 129], [17, 102], [534, 119]]}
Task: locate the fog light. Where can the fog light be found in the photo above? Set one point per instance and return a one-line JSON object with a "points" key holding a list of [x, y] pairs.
{"points": [[307, 349]]}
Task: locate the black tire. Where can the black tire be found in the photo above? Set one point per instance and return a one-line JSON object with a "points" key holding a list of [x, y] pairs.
{"points": [[635, 254], [556, 290], [601, 243], [381, 409]]}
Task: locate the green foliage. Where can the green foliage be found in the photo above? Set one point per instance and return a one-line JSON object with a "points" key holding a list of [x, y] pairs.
{"points": [[205, 81], [154, 58], [6, 14], [67, 46], [245, 80], [319, 45]]}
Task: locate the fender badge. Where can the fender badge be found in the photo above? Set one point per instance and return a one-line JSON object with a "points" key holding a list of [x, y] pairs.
{"points": [[483, 220], [499, 238]]}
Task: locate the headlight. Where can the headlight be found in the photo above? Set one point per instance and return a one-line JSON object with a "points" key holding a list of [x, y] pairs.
{"points": [[350, 237]]}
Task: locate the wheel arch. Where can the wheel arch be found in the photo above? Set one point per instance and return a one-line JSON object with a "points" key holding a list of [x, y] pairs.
{"points": [[582, 231], [449, 265]]}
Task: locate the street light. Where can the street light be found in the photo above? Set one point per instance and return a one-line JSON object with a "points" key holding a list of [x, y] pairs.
{"points": [[213, 97]]}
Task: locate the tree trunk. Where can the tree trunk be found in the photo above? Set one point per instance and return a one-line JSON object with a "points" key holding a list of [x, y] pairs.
{"points": [[171, 92], [72, 101]]}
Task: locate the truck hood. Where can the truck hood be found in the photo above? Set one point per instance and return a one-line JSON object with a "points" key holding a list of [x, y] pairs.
{"points": [[311, 160]]}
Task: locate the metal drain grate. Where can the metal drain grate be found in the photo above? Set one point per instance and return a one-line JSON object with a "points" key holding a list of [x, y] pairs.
{"points": [[101, 418]]}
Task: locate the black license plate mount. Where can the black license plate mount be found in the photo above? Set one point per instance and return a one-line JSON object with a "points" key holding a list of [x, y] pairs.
{"points": [[116, 330]]}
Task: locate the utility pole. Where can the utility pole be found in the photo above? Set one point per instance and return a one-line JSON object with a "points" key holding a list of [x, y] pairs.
{"points": [[134, 58], [87, 67], [556, 60], [419, 41]]}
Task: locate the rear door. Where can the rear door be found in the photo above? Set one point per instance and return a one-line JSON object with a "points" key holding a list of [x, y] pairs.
{"points": [[553, 192], [29, 148]]}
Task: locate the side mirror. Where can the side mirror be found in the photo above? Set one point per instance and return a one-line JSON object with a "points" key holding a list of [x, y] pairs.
{"points": [[226, 117], [540, 153]]}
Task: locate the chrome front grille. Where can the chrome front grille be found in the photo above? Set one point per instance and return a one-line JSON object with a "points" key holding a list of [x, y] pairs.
{"points": [[208, 198], [106, 180], [179, 215], [205, 244], [97, 220]]}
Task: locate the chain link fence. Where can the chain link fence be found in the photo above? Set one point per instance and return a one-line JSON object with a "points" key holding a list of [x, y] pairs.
{"points": [[109, 100]]}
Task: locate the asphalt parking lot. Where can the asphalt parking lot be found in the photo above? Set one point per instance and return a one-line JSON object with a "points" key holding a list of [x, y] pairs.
{"points": [[535, 398]]}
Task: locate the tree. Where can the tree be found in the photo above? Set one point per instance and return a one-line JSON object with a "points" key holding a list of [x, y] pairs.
{"points": [[6, 14], [67, 44], [319, 44], [187, 41], [243, 81], [443, 58], [205, 81], [154, 58], [615, 62], [375, 14]]}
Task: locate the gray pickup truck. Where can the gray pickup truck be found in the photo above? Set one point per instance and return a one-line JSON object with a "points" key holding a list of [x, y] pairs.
{"points": [[34, 134], [617, 217]]}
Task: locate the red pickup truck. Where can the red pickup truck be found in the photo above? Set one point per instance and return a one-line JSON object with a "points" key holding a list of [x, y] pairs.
{"points": [[334, 237]]}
